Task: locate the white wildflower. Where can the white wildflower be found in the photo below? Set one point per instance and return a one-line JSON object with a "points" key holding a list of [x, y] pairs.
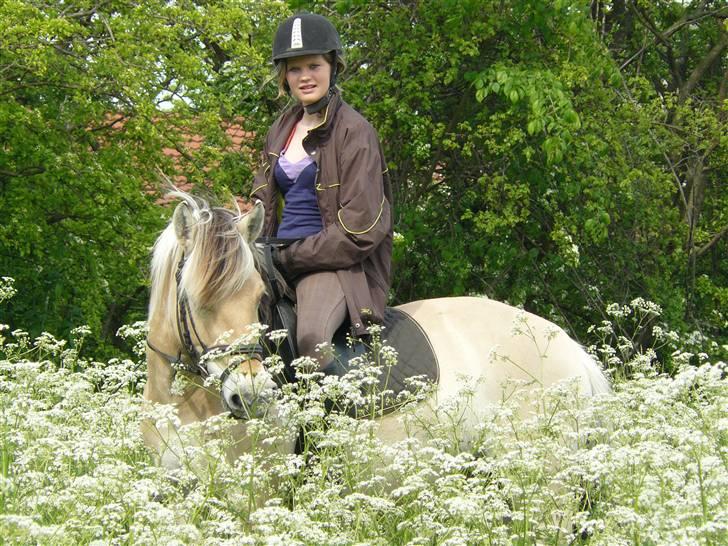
{"points": [[7, 290], [277, 335]]}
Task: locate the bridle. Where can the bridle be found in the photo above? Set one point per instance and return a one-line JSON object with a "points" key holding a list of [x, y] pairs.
{"points": [[194, 361]]}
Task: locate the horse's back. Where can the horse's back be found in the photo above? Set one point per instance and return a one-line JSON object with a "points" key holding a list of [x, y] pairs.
{"points": [[482, 338]]}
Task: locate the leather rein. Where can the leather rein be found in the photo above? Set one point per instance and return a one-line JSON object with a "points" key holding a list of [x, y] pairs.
{"points": [[193, 363]]}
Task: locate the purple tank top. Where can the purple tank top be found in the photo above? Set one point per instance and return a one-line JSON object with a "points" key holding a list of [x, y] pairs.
{"points": [[301, 215]]}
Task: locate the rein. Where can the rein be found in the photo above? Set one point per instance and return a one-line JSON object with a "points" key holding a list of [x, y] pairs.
{"points": [[280, 312], [186, 327]]}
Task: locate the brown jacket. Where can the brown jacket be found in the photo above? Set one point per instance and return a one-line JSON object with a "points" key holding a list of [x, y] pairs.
{"points": [[354, 197]]}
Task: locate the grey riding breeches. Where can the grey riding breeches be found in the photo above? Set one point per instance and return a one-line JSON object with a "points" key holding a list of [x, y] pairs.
{"points": [[321, 309]]}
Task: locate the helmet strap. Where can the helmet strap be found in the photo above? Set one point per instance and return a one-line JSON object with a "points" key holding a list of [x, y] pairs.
{"points": [[320, 104]]}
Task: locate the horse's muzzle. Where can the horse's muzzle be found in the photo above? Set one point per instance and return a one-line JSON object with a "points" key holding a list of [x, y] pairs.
{"points": [[248, 397]]}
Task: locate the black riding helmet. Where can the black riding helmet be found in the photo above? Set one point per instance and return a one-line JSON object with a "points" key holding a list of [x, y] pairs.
{"points": [[308, 34]]}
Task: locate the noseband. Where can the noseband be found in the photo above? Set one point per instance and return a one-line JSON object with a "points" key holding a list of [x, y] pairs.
{"points": [[194, 364]]}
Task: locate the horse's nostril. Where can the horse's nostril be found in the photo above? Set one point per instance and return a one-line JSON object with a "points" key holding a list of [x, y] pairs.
{"points": [[236, 401]]}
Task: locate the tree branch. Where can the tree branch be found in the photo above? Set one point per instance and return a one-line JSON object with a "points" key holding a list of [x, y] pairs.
{"points": [[219, 56], [710, 244], [109, 124], [700, 70], [672, 29], [30, 171]]}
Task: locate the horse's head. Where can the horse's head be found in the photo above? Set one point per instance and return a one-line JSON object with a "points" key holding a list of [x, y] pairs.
{"points": [[204, 301]]}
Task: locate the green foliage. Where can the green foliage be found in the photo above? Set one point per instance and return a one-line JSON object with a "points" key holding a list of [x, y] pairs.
{"points": [[90, 96], [554, 155], [526, 165], [672, 56]]}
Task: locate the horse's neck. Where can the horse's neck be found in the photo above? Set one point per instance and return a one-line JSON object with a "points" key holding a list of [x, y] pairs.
{"points": [[162, 336]]}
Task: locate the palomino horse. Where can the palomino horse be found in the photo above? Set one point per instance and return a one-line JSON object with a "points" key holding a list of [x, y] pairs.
{"points": [[205, 284]]}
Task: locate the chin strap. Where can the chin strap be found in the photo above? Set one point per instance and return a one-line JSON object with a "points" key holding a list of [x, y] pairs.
{"points": [[320, 104]]}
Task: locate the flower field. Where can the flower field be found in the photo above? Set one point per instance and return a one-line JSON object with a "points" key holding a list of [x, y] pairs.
{"points": [[647, 464]]}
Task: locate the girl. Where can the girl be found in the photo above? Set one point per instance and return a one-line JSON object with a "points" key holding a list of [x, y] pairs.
{"points": [[324, 184]]}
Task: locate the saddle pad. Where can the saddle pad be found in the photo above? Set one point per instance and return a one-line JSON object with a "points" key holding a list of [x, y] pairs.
{"points": [[416, 357]]}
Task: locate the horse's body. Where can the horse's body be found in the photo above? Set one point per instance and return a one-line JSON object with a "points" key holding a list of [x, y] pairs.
{"points": [[491, 347], [480, 342]]}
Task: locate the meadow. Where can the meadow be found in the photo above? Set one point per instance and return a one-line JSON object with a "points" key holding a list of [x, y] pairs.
{"points": [[646, 464]]}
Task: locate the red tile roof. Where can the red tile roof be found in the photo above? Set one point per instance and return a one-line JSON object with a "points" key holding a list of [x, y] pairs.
{"points": [[237, 136]]}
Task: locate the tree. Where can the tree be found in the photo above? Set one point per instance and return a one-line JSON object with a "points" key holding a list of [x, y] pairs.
{"points": [[90, 94], [522, 168], [673, 57], [557, 155]]}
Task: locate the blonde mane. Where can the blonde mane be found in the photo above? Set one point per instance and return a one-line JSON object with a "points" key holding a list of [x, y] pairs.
{"points": [[217, 261]]}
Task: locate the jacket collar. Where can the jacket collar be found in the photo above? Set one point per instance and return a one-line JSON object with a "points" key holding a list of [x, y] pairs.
{"points": [[318, 135]]}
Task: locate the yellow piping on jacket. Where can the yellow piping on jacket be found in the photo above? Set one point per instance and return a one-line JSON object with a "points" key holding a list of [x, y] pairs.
{"points": [[321, 187], [381, 209], [256, 189]]}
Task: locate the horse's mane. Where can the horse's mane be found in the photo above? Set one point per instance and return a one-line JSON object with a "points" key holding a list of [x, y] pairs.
{"points": [[217, 262]]}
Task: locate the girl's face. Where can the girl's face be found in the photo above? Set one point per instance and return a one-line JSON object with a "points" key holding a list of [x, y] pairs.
{"points": [[308, 78]]}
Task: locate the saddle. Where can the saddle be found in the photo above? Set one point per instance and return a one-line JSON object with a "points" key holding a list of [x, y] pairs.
{"points": [[415, 354]]}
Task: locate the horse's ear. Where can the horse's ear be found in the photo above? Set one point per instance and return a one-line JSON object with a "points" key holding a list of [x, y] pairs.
{"points": [[251, 225], [182, 220]]}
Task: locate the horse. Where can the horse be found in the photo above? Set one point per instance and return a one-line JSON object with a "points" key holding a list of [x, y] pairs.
{"points": [[206, 288]]}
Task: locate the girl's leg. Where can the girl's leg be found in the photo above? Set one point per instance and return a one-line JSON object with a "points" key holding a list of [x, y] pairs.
{"points": [[321, 309]]}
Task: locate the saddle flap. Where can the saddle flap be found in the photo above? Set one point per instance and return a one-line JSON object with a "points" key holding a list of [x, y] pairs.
{"points": [[416, 357]]}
